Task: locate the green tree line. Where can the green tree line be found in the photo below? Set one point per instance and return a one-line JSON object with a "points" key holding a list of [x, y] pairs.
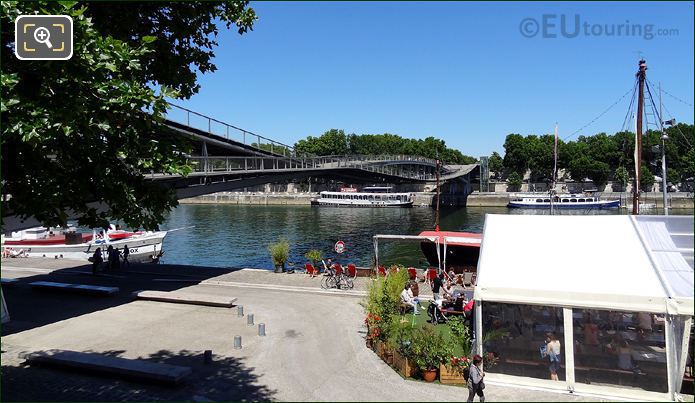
{"points": [[336, 142], [600, 157]]}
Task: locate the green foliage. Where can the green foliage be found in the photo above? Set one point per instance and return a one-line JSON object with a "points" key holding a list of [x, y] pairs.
{"points": [[314, 255], [383, 301], [495, 164], [79, 135], [279, 251], [430, 348], [336, 142], [646, 179], [401, 335], [514, 180], [461, 334], [621, 176], [595, 157]]}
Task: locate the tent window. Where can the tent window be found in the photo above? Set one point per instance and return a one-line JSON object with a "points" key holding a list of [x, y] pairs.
{"points": [[625, 349], [526, 327]]}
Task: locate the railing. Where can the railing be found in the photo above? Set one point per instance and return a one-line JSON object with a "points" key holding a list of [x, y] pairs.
{"points": [[211, 125], [395, 165]]}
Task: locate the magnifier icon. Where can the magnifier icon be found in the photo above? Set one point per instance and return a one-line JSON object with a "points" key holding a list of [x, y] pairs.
{"points": [[43, 35]]}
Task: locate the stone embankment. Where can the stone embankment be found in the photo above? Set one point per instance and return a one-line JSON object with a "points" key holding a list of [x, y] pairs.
{"points": [[678, 200]]}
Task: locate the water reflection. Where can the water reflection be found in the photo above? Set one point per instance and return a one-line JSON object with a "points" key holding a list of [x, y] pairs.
{"points": [[237, 236]]}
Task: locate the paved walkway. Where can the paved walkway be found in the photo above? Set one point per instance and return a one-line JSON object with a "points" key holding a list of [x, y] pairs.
{"points": [[314, 348]]}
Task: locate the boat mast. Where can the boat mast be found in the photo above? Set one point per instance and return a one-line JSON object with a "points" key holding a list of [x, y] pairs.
{"points": [[552, 178], [641, 77], [436, 216]]}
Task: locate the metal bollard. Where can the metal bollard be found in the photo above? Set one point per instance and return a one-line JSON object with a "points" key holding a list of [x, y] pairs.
{"points": [[240, 310], [261, 329], [237, 342], [207, 356], [249, 319]]}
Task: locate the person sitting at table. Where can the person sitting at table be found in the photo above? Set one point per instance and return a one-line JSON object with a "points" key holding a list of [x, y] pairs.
{"points": [[448, 293], [407, 299]]}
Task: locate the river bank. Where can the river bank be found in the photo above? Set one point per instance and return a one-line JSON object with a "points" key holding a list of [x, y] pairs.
{"points": [[677, 200]]}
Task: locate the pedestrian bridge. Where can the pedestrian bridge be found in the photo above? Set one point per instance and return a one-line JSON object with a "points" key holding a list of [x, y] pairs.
{"points": [[218, 174]]}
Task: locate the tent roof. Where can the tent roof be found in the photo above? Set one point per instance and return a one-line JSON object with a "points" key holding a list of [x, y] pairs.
{"points": [[584, 261]]}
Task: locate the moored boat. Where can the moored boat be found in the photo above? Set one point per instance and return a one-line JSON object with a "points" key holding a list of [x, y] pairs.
{"points": [[561, 201], [371, 196], [144, 246]]}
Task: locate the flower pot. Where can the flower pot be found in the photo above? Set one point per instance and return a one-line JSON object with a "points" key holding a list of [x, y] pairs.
{"points": [[451, 377], [429, 374], [279, 268]]}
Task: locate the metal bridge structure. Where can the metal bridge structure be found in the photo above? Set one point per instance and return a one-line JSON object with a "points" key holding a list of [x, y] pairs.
{"points": [[227, 157]]}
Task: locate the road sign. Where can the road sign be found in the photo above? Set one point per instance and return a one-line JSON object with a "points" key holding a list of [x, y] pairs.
{"points": [[340, 247]]}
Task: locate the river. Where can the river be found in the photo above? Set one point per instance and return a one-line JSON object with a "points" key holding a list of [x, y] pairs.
{"points": [[228, 235]]}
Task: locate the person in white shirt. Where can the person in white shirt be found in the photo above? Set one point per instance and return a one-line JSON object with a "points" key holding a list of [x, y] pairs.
{"points": [[407, 298]]}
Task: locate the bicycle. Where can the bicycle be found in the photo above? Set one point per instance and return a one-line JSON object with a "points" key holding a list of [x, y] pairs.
{"points": [[336, 277]]}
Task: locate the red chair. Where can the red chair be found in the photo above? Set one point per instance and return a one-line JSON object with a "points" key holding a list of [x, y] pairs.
{"points": [[412, 273], [352, 270], [430, 275], [338, 269], [382, 271], [310, 270]]}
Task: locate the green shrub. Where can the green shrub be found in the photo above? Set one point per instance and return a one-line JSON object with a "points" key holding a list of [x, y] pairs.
{"points": [[430, 348], [279, 252], [314, 255]]}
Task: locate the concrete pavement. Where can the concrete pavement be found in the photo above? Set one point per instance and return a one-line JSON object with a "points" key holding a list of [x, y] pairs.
{"points": [[314, 348]]}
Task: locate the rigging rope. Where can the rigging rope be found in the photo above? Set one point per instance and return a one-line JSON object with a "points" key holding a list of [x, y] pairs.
{"points": [[599, 116]]}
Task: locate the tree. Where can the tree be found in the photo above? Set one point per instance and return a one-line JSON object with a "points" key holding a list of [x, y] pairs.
{"points": [[598, 172], [514, 180], [646, 179], [496, 164], [621, 176], [515, 155], [86, 130]]}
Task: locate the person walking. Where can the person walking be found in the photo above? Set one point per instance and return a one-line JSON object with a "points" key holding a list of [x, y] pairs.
{"points": [[126, 253], [475, 379], [552, 350], [437, 284], [97, 260]]}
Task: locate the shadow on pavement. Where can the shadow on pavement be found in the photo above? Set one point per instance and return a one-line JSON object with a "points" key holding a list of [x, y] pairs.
{"points": [[224, 379], [30, 308]]}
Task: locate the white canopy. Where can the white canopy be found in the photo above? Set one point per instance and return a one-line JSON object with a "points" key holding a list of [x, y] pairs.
{"points": [[613, 262]]}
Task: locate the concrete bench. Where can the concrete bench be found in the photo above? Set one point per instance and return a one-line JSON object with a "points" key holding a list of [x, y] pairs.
{"points": [[82, 288], [121, 367], [186, 298]]}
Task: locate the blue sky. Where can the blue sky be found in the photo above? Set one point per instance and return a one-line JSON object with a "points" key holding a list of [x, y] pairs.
{"points": [[459, 71]]}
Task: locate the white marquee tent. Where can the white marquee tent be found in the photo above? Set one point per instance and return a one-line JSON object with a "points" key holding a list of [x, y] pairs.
{"points": [[609, 262]]}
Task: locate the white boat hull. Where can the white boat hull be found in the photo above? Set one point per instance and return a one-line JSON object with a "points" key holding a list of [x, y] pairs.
{"points": [[143, 248]]}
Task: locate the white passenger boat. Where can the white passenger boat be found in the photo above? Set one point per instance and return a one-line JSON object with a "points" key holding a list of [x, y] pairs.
{"points": [[144, 246], [561, 201], [371, 196]]}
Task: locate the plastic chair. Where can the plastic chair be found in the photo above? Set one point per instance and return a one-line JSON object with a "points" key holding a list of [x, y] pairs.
{"points": [[412, 273], [382, 271], [430, 275], [338, 269], [310, 269], [352, 270]]}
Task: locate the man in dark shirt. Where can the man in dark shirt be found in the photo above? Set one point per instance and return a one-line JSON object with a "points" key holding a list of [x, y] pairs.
{"points": [[437, 285]]}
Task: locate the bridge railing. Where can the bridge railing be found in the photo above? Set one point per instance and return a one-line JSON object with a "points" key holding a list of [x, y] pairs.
{"points": [[396, 165], [211, 125]]}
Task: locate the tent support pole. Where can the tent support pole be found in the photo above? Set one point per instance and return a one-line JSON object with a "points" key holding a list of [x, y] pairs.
{"points": [[670, 355], [478, 327], [376, 253], [569, 347]]}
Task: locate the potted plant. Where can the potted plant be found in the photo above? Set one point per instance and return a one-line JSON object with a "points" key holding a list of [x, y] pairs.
{"points": [[279, 252], [401, 338], [430, 350], [314, 256]]}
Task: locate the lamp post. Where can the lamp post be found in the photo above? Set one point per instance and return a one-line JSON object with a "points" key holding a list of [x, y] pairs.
{"points": [[664, 181]]}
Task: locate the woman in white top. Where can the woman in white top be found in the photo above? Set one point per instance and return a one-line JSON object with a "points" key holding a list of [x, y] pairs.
{"points": [[553, 352]]}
